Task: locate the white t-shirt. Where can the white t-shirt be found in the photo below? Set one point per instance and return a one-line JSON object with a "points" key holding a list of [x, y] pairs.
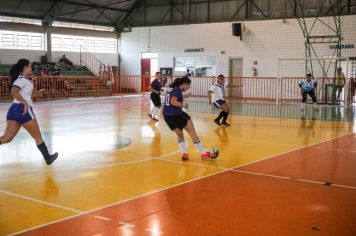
{"points": [[26, 88], [218, 91]]}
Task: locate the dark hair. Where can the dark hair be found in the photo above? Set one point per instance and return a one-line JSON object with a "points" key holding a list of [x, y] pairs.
{"points": [[309, 75], [221, 75], [17, 69], [180, 81]]}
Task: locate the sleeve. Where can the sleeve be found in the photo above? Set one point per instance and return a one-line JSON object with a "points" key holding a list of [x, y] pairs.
{"points": [[212, 88], [19, 83], [300, 83], [315, 83], [176, 93]]}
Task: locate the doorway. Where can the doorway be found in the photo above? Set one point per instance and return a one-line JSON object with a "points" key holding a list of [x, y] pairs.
{"points": [[235, 77], [149, 67]]}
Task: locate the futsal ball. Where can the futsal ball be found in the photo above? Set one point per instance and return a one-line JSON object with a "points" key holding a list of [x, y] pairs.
{"points": [[215, 152]]}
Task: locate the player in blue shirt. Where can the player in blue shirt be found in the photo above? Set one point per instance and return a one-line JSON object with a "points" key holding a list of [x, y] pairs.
{"points": [[308, 86], [177, 119], [155, 88], [20, 113]]}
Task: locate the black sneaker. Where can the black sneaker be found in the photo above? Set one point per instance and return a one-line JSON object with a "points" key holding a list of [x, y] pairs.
{"points": [[51, 158], [217, 122], [225, 123]]}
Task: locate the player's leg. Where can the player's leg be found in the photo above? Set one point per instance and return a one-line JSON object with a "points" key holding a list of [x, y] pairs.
{"points": [[225, 107], [304, 98], [12, 128], [181, 144], [193, 134], [34, 130]]}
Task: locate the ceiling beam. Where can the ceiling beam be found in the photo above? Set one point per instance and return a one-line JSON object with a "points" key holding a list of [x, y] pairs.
{"points": [[123, 19], [90, 6]]}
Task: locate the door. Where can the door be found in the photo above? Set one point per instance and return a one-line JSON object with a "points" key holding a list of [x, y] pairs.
{"points": [[145, 74], [235, 74]]}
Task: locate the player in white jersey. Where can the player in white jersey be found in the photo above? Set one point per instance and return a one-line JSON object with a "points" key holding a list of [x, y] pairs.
{"points": [[308, 86], [216, 96], [20, 113]]}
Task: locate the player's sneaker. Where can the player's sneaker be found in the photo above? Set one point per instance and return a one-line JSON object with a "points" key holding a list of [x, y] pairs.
{"points": [[51, 158], [225, 123], [217, 122], [185, 157], [315, 106], [155, 119], [210, 155], [302, 106]]}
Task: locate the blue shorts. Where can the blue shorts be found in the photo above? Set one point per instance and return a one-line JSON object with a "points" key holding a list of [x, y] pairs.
{"points": [[218, 103], [15, 113]]}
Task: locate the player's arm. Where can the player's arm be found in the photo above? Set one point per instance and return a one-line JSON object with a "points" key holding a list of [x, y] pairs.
{"points": [[315, 85], [15, 92], [152, 89], [301, 87], [209, 96], [174, 102]]}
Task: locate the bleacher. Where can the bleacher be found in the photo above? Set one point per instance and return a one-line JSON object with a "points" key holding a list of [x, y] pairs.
{"points": [[4, 69], [58, 81]]}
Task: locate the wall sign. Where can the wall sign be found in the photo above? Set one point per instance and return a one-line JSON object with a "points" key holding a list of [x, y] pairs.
{"points": [[342, 46], [194, 50]]}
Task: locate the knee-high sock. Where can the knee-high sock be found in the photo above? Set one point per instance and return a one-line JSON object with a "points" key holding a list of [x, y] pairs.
{"points": [[225, 116], [155, 112], [182, 146], [43, 149], [200, 146], [221, 115]]}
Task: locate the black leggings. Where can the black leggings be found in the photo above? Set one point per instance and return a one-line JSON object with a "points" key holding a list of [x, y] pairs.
{"points": [[311, 94]]}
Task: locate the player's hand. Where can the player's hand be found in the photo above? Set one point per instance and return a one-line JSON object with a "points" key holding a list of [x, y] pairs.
{"points": [[185, 105], [209, 102], [25, 109]]}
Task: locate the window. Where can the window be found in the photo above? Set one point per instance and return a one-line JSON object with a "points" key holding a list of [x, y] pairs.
{"points": [[74, 43], [198, 66], [21, 40]]}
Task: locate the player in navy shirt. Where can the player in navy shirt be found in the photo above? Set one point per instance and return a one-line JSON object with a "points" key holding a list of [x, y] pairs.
{"points": [[20, 113], [308, 86], [177, 119], [155, 88]]}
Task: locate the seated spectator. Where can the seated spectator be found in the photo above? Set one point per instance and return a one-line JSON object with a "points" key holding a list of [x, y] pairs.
{"points": [[65, 60], [56, 70]]}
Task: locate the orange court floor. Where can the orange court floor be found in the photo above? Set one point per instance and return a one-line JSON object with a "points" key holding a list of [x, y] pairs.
{"points": [[281, 171]]}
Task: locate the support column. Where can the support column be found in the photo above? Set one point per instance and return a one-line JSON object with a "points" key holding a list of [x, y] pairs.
{"points": [[49, 44]]}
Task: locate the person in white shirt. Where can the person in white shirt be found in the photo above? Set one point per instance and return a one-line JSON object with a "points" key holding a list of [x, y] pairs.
{"points": [[20, 113], [216, 97]]}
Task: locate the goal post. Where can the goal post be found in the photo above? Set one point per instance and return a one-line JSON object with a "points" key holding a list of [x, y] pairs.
{"points": [[323, 69]]}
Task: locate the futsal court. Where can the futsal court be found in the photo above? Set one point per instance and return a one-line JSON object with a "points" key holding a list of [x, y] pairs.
{"points": [[281, 171]]}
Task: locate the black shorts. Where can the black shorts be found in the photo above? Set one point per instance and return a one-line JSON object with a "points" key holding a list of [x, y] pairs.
{"points": [[156, 99], [177, 122]]}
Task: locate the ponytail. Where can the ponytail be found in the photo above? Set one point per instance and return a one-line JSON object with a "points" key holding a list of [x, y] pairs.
{"points": [[17, 69], [180, 81]]}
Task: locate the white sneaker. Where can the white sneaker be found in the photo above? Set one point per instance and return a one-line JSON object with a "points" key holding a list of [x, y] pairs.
{"points": [[303, 106], [315, 106]]}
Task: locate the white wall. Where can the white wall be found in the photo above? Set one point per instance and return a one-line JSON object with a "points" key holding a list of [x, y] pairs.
{"points": [[11, 56], [8, 56], [264, 41], [106, 58]]}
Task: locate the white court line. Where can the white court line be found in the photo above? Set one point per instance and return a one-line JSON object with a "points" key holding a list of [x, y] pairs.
{"points": [[40, 201], [290, 178], [179, 184]]}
